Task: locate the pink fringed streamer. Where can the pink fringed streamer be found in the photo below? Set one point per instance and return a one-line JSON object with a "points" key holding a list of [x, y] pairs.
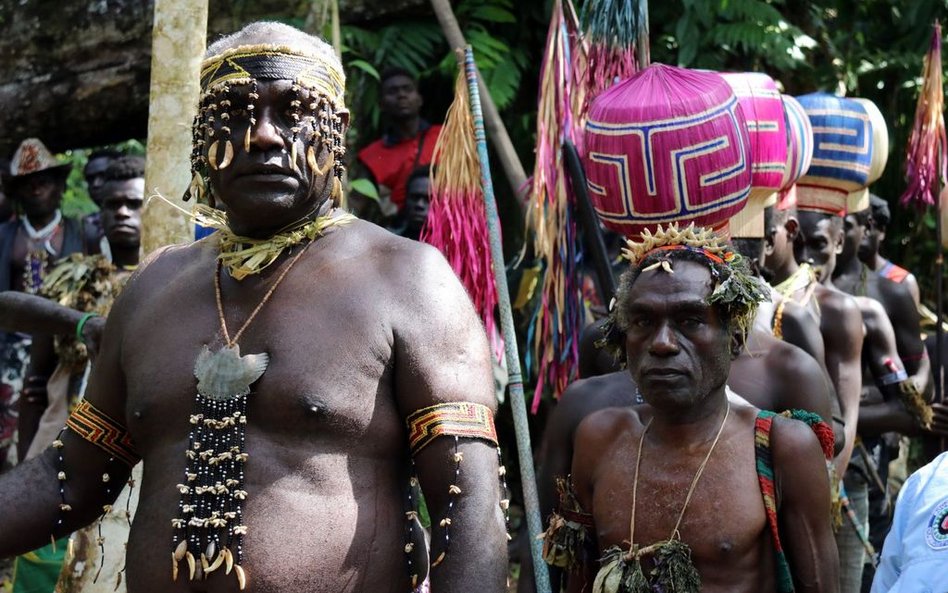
{"points": [[457, 222], [925, 159], [556, 325], [615, 32]]}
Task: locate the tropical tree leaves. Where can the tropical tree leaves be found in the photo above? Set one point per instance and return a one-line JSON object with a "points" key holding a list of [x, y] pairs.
{"points": [[419, 47]]}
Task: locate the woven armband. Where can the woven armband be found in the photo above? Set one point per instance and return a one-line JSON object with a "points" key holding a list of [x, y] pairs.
{"points": [[104, 432], [460, 419]]}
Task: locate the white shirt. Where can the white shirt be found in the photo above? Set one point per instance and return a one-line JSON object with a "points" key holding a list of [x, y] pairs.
{"points": [[915, 555]]}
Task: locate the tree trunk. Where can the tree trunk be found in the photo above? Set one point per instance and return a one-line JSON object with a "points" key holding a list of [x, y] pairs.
{"points": [[178, 42]]}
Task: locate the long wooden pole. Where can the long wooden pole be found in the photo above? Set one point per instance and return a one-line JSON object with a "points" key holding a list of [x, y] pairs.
{"points": [[515, 384], [178, 43], [513, 168]]}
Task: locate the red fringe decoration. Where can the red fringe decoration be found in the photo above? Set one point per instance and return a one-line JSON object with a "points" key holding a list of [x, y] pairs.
{"points": [[926, 158], [457, 220]]}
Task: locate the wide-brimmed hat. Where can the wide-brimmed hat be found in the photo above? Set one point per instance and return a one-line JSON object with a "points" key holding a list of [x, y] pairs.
{"points": [[30, 158]]}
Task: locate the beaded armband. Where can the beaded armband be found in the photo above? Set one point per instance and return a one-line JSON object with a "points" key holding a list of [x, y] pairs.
{"points": [[104, 432], [460, 419]]}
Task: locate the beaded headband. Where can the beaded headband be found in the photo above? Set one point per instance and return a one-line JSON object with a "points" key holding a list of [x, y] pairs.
{"points": [[246, 63], [320, 72]]}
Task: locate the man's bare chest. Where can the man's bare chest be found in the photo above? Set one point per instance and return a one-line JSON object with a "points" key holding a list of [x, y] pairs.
{"points": [[723, 519], [328, 375]]}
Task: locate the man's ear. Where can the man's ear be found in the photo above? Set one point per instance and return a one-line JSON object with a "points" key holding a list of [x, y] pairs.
{"points": [[738, 339], [793, 228]]}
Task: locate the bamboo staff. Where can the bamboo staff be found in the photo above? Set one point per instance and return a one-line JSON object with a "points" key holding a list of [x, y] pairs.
{"points": [[515, 384]]}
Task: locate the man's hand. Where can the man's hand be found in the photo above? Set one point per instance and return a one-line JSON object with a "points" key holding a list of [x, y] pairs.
{"points": [[939, 420], [92, 335]]}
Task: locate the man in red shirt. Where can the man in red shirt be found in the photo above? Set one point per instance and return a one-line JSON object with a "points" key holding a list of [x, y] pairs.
{"points": [[406, 144]]}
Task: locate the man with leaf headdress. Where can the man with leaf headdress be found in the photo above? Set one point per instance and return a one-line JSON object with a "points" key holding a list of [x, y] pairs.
{"points": [[695, 489]]}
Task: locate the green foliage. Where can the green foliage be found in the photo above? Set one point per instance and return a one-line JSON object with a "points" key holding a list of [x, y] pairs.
{"points": [[713, 33], [365, 187], [418, 45]]}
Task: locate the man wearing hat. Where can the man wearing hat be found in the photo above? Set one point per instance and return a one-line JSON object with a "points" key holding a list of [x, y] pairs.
{"points": [[37, 236]]}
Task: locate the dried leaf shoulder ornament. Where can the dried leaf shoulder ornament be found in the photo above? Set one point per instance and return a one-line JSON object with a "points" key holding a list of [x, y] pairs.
{"points": [[208, 531], [664, 565]]}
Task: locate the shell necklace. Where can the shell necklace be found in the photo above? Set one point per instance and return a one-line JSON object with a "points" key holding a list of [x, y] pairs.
{"points": [[622, 570], [209, 529]]}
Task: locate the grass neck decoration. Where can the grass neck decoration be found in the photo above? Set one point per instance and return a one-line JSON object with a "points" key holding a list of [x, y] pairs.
{"points": [[244, 256]]}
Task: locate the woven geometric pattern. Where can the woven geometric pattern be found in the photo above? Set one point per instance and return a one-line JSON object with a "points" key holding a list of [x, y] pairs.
{"points": [[667, 145], [760, 102], [842, 152], [859, 200], [799, 141], [462, 419], [104, 432]]}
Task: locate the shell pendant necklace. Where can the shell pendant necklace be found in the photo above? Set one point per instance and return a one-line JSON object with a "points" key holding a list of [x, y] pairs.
{"points": [[209, 527]]}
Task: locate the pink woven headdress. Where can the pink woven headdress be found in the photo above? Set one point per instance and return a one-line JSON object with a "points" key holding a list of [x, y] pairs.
{"points": [[842, 153], [799, 151], [667, 145], [760, 102]]}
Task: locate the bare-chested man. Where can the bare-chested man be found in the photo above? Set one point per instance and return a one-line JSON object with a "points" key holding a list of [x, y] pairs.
{"points": [[300, 485], [869, 250], [770, 374], [895, 365], [687, 456], [838, 316]]}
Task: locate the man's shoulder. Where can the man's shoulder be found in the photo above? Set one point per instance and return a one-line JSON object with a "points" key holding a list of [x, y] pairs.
{"points": [[605, 425], [792, 440], [170, 262], [373, 149], [837, 307], [589, 395], [790, 362], [397, 260], [894, 296]]}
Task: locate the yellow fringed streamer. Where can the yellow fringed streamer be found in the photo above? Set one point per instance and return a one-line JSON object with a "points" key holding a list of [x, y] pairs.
{"points": [[244, 256], [458, 168]]}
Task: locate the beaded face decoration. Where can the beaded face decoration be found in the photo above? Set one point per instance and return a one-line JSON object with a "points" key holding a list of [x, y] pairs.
{"points": [[316, 114]]}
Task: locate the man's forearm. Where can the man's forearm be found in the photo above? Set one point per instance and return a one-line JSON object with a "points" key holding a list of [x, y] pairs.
{"points": [[475, 556], [28, 313], [31, 502]]}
